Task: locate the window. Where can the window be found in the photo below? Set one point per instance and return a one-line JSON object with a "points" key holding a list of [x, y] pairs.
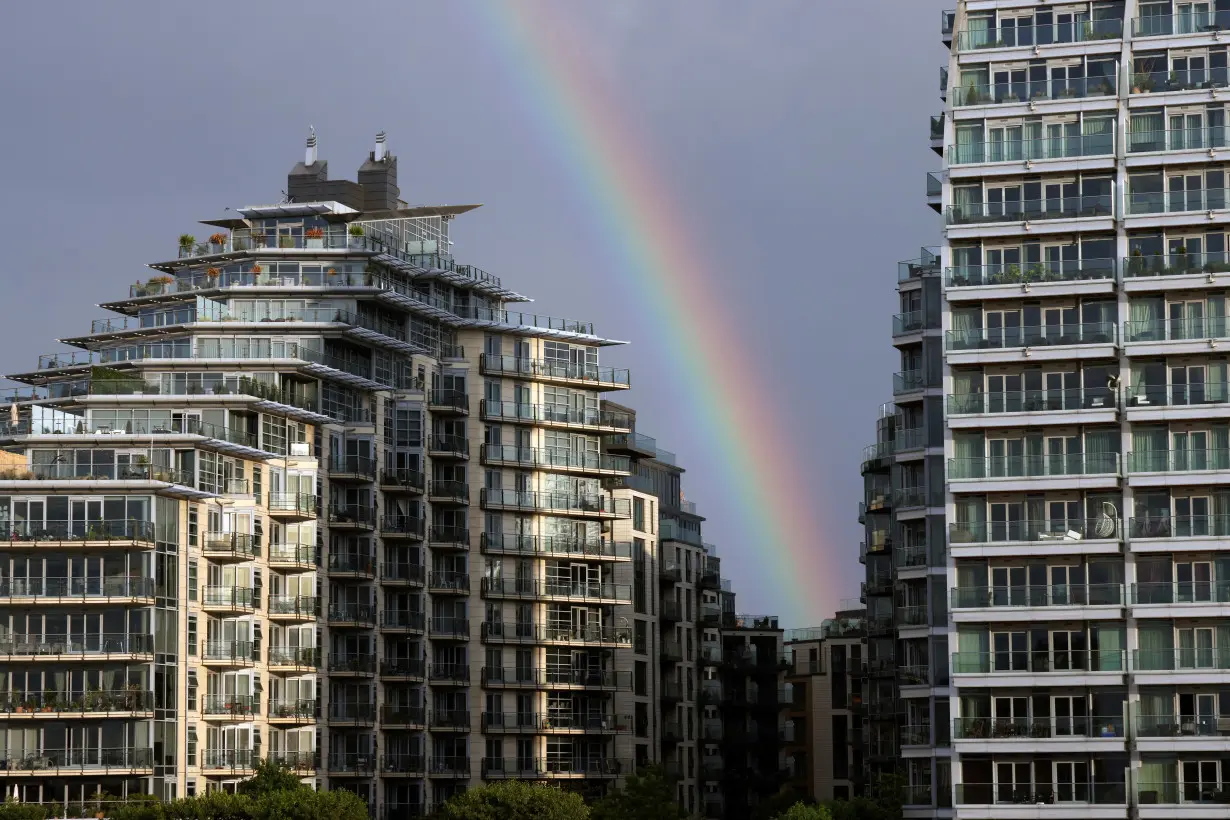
{"points": [[192, 579], [193, 527], [640, 676], [639, 641], [191, 634], [638, 514]]}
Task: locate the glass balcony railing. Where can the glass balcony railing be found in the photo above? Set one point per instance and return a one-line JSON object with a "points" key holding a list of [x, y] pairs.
{"points": [[1076, 207], [131, 699], [1177, 139], [1173, 202], [1178, 461], [948, 19], [937, 127], [1037, 596], [1030, 401], [988, 728], [1181, 592], [1017, 274], [1177, 726], [1013, 36], [77, 587], [1024, 91], [1197, 18], [1157, 330], [1071, 464], [49, 761], [1183, 659], [978, 338], [1018, 794], [911, 322], [1078, 529], [50, 643], [554, 414], [1180, 526], [1072, 147], [1182, 792], [907, 381], [557, 457], [1017, 661], [530, 500], [935, 184], [550, 369], [1176, 264]]}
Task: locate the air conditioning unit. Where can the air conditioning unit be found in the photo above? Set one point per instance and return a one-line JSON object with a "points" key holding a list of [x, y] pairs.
{"points": [[300, 448]]}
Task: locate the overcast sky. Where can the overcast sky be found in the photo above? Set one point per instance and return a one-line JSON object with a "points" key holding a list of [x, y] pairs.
{"points": [[793, 132]]}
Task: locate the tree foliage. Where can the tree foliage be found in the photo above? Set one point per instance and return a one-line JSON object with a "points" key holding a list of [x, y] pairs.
{"points": [[647, 795], [270, 776], [11, 809], [514, 800], [802, 811]]}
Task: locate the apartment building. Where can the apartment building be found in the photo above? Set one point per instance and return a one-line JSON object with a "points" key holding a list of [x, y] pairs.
{"points": [[1084, 379], [313, 492], [823, 731]]}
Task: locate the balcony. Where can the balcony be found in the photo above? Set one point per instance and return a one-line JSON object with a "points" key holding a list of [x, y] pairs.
{"points": [[1194, 19], [60, 762], [351, 468], [450, 628], [76, 591], [1092, 404], [556, 723], [294, 608], [1025, 472], [228, 653], [25, 535], [977, 345], [522, 633], [361, 616], [402, 572], [351, 764], [452, 720], [1035, 603], [442, 445], [292, 556], [295, 761], [1164, 334], [1075, 733], [236, 707], [401, 479], [444, 582], [598, 506], [448, 402], [229, 546], [670, 572], [1023, 92], [447, 536], [1158, 463], [66, 705], [349, 712], [451, 674], [909, 381], [906, 323], [598, 592], [1022, 667], [514, 544], [552, 415], [1058, 536], [448, 492], [1041, 274], [293, 658], [1198, 202], [403, 764], [351, 516], [1035, 36], [1183, 665], [1166, 533], [344, 663], [302, 710], [1010, 800], [352, 565], [1201, 796], [1031, 210], [403, 668], [555, 459], [406, 716], [568, 373], [402, 526], [228, 600], [1180, 599], [1077, 146], [527, 677], [292, 506]]}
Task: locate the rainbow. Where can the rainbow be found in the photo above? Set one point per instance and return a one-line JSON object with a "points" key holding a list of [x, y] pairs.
{"points": [[650, 244]]}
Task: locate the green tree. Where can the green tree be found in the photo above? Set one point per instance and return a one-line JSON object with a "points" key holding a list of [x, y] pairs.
{"points": [[270, 776], [647, 795], [515, 800], [305, 804], [216, 805], [802, 811]]}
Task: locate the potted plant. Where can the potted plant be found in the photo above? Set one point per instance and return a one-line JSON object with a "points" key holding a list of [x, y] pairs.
{"points": [[285, 241], [332, 271], [217, 241], [257, 269], [315, 237], [186, 243], [356, 236], [212, 275]]}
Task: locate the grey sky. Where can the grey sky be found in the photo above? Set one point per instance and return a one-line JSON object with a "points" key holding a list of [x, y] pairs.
{"points": [[793, 132]]}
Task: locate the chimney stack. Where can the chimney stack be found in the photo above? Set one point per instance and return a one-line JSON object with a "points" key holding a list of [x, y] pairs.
{"points": [[378, 155], [378, 178], [310, 157]]}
